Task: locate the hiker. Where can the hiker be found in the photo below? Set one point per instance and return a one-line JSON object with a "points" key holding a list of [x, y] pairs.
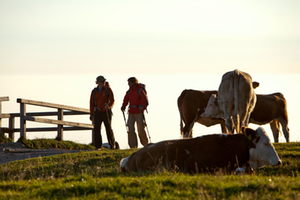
{"points": [[101, 102], [138, 102]]}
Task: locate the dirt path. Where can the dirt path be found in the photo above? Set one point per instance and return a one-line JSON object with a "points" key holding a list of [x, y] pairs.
{"points": [[16, 151]]}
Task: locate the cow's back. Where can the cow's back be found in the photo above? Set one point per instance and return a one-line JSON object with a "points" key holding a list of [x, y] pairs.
{"points": [[234, 83], [208, 153], [199, 154], [269, 107]]}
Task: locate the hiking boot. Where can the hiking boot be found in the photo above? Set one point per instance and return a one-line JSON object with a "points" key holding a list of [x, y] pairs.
{"points": [[117, 145]]}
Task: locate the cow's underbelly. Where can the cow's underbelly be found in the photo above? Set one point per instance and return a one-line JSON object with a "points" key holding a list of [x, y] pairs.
{"points": [[260, 122], [207, 121]]}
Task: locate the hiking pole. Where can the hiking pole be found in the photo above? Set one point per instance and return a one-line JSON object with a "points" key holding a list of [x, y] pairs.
{"points": [[108, 116], [145, 123], [125, 121]]}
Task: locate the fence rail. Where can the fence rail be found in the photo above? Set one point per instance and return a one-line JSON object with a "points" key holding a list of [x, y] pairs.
{"points": [[62, 110]]}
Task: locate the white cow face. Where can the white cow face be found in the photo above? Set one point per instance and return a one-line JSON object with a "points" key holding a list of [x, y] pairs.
{"points": [[264, 152], [212, 109], [123, 164]]}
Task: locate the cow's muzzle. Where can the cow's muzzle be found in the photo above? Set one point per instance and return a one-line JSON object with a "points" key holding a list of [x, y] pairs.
{"points": [[279, 163]]}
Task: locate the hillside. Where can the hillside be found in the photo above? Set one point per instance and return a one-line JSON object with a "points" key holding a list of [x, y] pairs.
{"points": [[96, 175]]}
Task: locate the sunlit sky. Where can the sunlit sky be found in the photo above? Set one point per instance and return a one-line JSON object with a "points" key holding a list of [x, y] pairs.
{"points": [[53, 50]]}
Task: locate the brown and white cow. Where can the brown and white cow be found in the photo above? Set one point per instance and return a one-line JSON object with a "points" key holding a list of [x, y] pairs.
{"points": [[206, 153], [236, 99], [270, 108], [191, 103]]}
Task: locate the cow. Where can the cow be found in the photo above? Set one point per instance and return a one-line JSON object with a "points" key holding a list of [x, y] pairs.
{"points": [[191, 104], [236, 99], [272, 108], [269, 108], [208, 153]]}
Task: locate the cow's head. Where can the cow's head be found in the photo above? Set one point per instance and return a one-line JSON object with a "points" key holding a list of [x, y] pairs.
{"points": [[212, 109], [262, 152], [123, 164]]}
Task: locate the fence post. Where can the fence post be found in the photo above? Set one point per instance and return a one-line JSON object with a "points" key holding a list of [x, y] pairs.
{"points": [[11, 125], [2, 99], [60, 129], [22, 120]]}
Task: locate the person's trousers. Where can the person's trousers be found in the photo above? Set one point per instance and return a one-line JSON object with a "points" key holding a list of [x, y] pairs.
{"points": [[106, 117], [132, 137]]}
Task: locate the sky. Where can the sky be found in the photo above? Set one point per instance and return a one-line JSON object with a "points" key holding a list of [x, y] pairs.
{"points": [[53, 51]]}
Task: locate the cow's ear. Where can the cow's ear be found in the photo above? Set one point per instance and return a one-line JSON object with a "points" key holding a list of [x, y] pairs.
{"points": [[255, 84], [250, 133]]}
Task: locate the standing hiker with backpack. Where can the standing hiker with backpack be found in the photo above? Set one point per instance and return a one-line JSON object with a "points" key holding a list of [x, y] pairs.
{"points": [[137, 99], [101, 102]]}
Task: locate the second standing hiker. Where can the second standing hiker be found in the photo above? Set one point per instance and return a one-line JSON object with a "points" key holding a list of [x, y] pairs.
{"points": [[137, 100]]}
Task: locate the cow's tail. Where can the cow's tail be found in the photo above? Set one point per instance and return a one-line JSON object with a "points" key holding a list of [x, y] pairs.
{"points": [[236, 117], [180, 112], [181, 127], [181, 124], [277, 123]]}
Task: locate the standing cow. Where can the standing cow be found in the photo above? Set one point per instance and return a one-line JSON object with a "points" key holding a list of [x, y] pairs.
{"points": [[271, 108], [236, 99], [206, 153], [191, 103]]}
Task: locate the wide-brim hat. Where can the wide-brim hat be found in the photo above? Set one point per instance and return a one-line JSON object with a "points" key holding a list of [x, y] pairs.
{"points": [[100, 79]]}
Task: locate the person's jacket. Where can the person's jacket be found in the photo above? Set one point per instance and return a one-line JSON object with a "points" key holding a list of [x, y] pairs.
{"points": [[105, 97], [134, 99]]}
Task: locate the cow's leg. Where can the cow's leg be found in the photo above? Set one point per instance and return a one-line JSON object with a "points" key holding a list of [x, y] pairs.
{"points": [[275, 129], [244, 116], [187, 131], [229, 123], [223, 127], [247, 119], [189, 124], [285, 128], [228, 119]]}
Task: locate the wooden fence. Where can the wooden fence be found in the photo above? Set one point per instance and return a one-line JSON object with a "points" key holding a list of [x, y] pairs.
{"points": [[62, 110]]}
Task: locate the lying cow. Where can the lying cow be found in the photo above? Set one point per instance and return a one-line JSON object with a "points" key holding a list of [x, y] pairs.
{"points": [[191, 103], [236, 98], [206, 153], [271, 108]]}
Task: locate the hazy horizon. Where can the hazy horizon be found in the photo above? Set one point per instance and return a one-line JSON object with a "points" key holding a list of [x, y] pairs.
{"points": [[163, 91]]}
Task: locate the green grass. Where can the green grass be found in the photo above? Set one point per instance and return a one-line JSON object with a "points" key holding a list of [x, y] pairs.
{"points": [[96, 175], [55, 144]]}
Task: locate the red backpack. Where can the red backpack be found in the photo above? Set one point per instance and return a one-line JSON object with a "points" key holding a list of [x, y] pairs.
{"points": [[142, 87]]}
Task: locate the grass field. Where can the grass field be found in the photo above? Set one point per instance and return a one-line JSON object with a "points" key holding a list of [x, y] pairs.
{"points": [[96, 175]]}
